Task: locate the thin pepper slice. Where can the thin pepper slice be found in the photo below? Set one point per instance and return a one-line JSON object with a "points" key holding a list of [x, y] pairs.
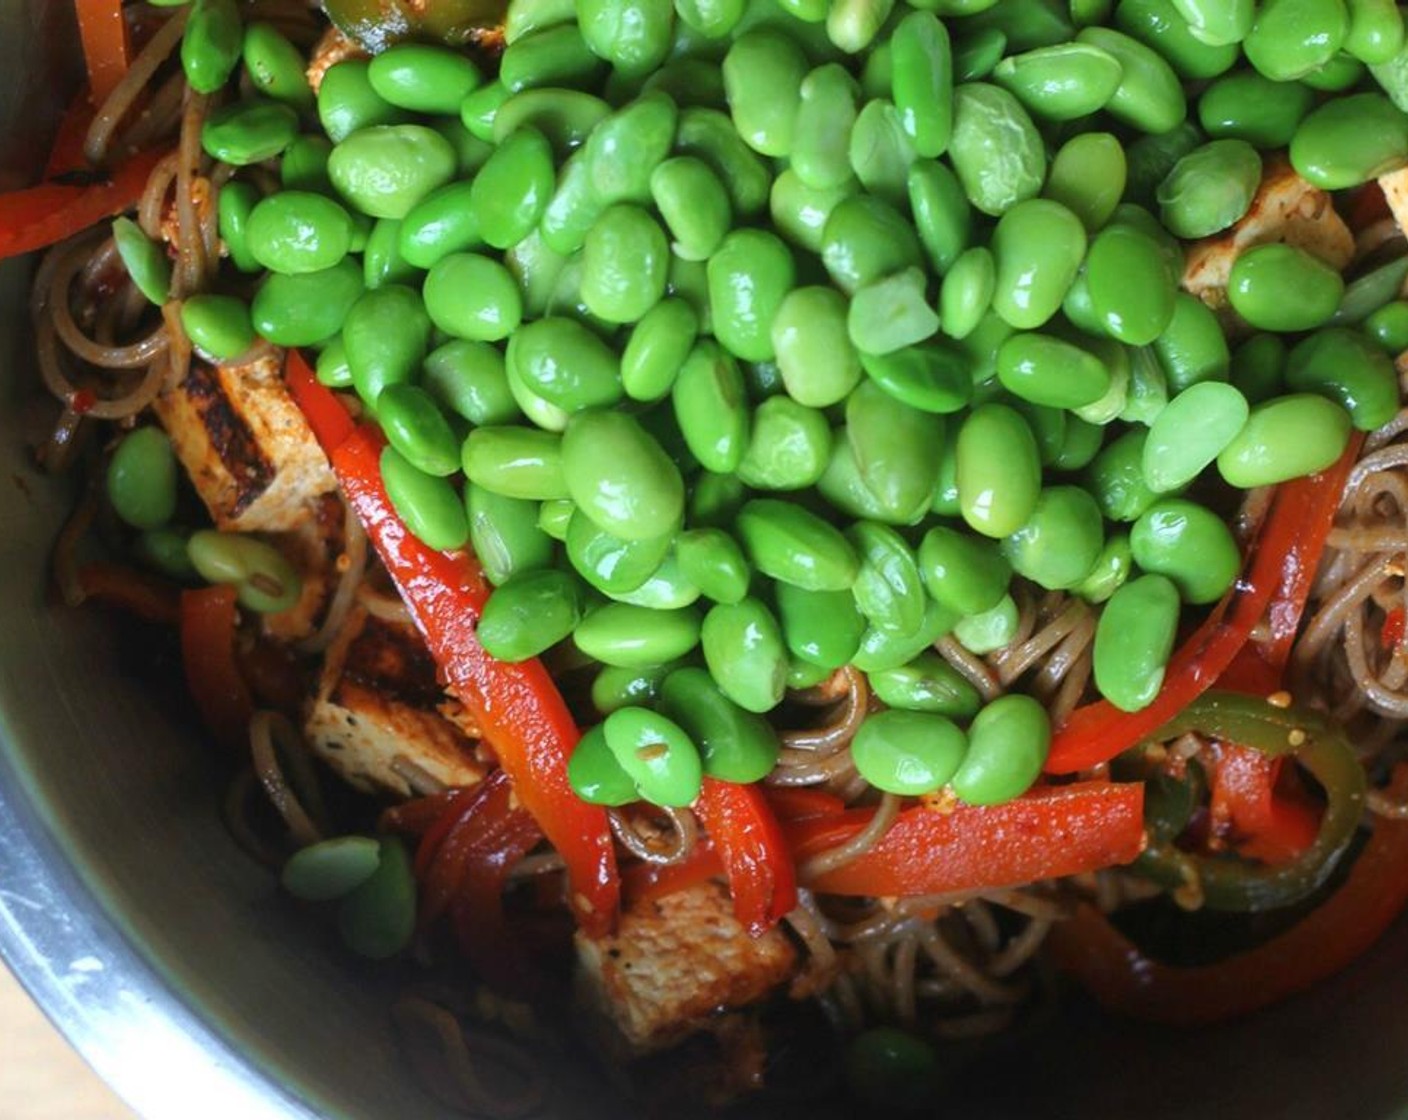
{"points": [[1046, 833], [326, 415], [107, 46], [1264, 825], [1281, 562], [1276, 732], [208, 617], [1128, 982], [753, 851]]}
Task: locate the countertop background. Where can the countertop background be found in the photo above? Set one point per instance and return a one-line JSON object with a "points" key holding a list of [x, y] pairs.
{"points": [[41, 1077]]}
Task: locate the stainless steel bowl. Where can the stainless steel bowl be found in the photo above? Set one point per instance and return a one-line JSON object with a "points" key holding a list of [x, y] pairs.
{"points": [[174, 965]]}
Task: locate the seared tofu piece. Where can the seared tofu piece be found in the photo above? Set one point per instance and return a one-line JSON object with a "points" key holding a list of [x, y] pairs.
{"points": [[248, 449], [1395, 188], [1286, 208], [378, 702], [677, 965], [332, 48]]}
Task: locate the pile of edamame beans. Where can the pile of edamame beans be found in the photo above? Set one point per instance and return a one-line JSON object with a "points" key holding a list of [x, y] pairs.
{"points": [[744, 340]]}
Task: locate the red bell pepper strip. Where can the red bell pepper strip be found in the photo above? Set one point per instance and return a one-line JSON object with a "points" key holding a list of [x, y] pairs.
{"points": [[38, 217], [222, 697], [795, 803], [1262, 824], [1126, 981], [106, 45], [66, 157], [517, 705], [326, 415], [1391, 634], [753, 850], [1049, 832], [642, 882], [1274, 583]]}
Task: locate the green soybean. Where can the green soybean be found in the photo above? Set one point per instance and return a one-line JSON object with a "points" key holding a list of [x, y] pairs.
{"points": [[1132, 289], [528, 613], [811, 341], [794, 545], [276, 67], [1007, 746], [237, 200], [431, 508], [763, 74], [694, 204], [713, 561], [610, 564], [908, 753], [887, 649], [1058, 545], [736, 745], [1062, 82], [710, 136], [995, 148], [926, 684], [632, 35], [146, 261], [625, 260], [657, 349], [1389, 326], [1088, 177], [632, 637], [656, 754], [1150, 96], [745, 655], [1047, 370], [1038, 246], [1133, 641], [218, 325], [1117, 480], [565, 117], [212, 43], [620, 477], [553, 57], [1210, 188], [330, 869], [505, 534], [347, 102], [999, 470], [965, 573], [932, 377], [440, 224], [515, 462], [248, 132], [1350, 140], [423, 78], [1193, 347], [378, 918], [865, 240], [415, 426], [298, 231], [1293, 38], [1247, 106], [1279, 287], [749, 276], [306, 310], [1188, 543], [710, 406], [1159, 25], [943, 216], [1285, 438], [141, 479], [593, 772], [1376, 31], [1112, 569], [822, 134], [479, 111], [853, 24], [897, 448], [888, 589], [385, 334], [1191, 431], [1348, 368], [468, 378], [384, 170], [512, 189], [820, 627]]}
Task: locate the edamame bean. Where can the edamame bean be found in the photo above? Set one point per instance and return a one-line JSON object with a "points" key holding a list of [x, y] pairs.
{"points": [[624, 264], [891, 1070], [822, 628], [922, 85], [384, 170], [656, 754], [593, 772], [1210, 188], [965, 573], [716, 499], [748, 277], [712, 560], [248, 132], [818, 361], [822, 133], [790, 543], [998, 470], [865, 240], [908, 753], [1159, 25], [378, 918], [1132, 288], [1285, 438], [788, 447], [423, 78], [219, 326], [842, 486], [1189, 544], [1371, 290], [298, 231], [1293, 38], [1088, 178], [1116, 478], [1389, 326], [1279, 287], [744, 652], [468, 378], [566, 364], [332, 369], [694, 204], [1376, 29], [709, 135], [995, 148], [763, 74], [896, 448], [236, 202], [385, 334], [1026, 23], [304, 165], [710, 405], [523, 17], [887, 589], [512, 190], [942, 214], [530, 612], [1111, 571], [306, 310], [415, 426], [146, 262], [1349, 369], [276, 67], [1007, 747], [1062, 82], [440, 224], [382, 262], [853, 24], [1247, 106], [736, 745], [990, 631], [1038, 246], [1218, 22], [141, 479], [1058, 545], [713, 19], [632, 35], [347, 103], [886, 649], [926, 684], [479, 111], [515, 462], [1047, 370], [211, 45], [430, 506], [623, 151], [505, 535], [1350, 140], [1192, 430], [553, 57], [657, 348], [1148, 390], [620, 477], [881, 152], [932, 378], [330, 869], [1149, 96], [612, 565], [890, 314], [633, 637], [263, 578], [1193, 347], [1133, 641]]}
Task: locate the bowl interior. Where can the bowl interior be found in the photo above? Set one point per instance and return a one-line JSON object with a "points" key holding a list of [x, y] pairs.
{"points": [[185, 977]]}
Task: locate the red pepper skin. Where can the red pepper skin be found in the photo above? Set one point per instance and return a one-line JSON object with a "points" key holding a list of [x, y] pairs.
{"points": [[1391, 636], [753, 850], [138, 593], [38, 217], [1263, 825], [517, 705], [1126, 981], [1274, 584], [223, 699], [107, 49], [326, 415], [1049, 832]]}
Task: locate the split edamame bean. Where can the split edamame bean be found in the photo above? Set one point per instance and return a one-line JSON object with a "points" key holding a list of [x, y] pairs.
{"points": [[995, 148]]}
